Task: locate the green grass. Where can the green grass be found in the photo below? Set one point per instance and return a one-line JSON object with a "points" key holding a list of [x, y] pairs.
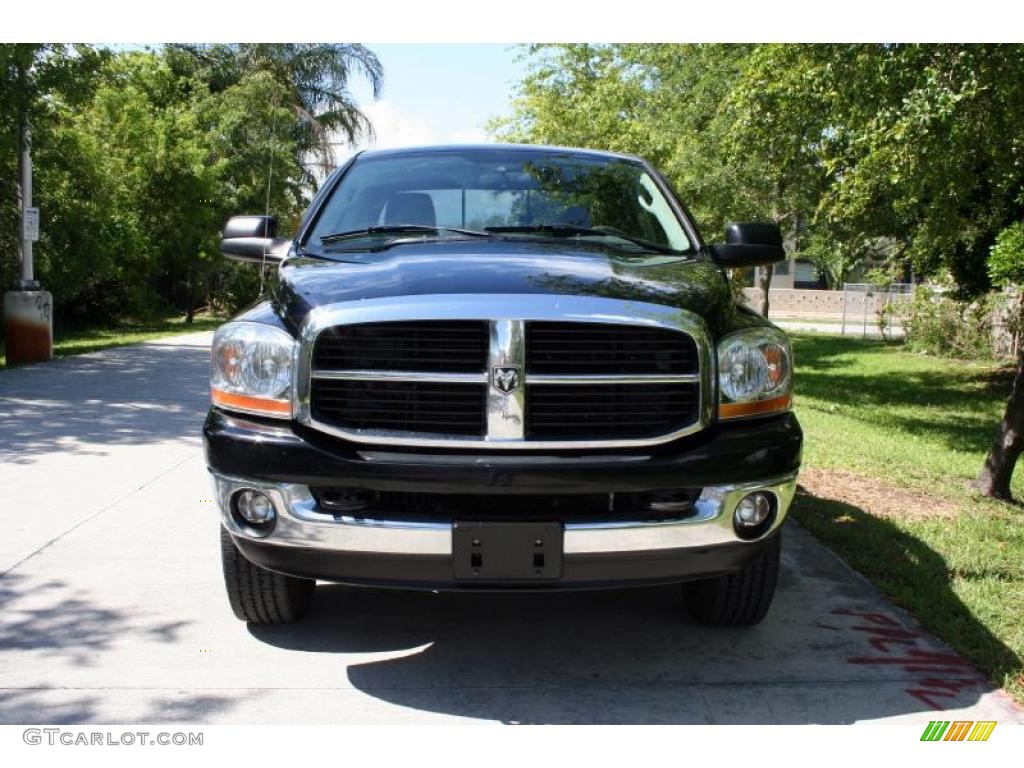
{"points": [[924, 424], [81, 340]]}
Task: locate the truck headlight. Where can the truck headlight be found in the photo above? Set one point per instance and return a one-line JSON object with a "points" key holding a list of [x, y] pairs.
{"points": [[251, 369], [755, 373]]}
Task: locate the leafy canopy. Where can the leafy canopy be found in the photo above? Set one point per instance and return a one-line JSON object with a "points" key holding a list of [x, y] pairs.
{"points": [[862, 152]]}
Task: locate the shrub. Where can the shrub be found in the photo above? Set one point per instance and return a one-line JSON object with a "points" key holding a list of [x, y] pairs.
{"points": [[939, 325], [1006, 259], [237, 286]]}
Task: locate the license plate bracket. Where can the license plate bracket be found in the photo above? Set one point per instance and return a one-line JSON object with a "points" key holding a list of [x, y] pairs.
{"points": [[507, 551]]}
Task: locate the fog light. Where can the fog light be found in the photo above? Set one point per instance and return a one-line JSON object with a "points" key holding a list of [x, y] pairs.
{"points": [[754, 514], [255, 508]]}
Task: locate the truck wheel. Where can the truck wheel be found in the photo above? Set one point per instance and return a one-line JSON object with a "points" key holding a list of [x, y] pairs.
{"points": [[260, 596], [737, 599]]}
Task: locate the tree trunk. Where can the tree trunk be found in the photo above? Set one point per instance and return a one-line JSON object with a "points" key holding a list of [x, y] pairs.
{"points": [[765, 281], [994, 479], [190, 312]]}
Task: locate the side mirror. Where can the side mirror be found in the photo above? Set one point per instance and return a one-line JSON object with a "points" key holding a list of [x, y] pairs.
{"points": [[749, 245], [252, 238]]}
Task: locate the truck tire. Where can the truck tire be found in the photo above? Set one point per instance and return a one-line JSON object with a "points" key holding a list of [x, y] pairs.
{"points": [[737, 599], [260, 596]]}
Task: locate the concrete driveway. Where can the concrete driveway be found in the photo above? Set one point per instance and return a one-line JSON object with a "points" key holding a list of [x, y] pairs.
{"points": [[866, 331], [112, 607]]}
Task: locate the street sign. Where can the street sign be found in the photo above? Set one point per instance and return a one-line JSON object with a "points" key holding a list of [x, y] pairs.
{"points": [[30, 224]]}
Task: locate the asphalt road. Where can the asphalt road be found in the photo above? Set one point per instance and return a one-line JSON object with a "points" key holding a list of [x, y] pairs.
{"points": [[112, 607]]}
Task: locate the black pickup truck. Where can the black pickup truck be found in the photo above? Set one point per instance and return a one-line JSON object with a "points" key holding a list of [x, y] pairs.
{"points": [[501, 367]]}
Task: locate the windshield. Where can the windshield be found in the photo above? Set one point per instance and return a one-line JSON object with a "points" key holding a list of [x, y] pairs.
{"points": [[514, 193]]}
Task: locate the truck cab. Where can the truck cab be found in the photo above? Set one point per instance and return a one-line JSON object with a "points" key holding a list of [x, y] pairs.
{"points": [[501, 367]]}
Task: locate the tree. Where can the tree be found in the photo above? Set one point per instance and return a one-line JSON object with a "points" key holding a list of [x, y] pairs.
{"points": [[836, 253], [1006, 268], [63, 74], [140, 157], [314, 78], [924, 147], [921, 147], [771, 125], [711, 116], [657, 101]]}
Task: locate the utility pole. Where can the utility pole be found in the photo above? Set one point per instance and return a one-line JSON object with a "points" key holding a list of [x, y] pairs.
{"points": [[28, 310]]}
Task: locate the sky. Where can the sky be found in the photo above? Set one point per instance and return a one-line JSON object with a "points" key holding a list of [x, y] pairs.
{"points": [[438, 93]]}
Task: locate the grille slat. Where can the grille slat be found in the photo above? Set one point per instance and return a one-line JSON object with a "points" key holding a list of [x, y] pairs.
{"points": [[589, 348], [610, 411], [455, 346], [411, 406]]}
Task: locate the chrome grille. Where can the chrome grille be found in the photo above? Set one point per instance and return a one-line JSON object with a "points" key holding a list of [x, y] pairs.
{"points": [[609, 349], [550, 372]]}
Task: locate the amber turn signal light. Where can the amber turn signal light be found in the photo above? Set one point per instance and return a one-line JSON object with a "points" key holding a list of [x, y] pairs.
{"points": [[250, 404], [754, 408]]}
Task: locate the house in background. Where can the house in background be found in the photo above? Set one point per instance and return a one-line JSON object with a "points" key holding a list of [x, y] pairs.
{"points": [[797, 272], [792, 273]]}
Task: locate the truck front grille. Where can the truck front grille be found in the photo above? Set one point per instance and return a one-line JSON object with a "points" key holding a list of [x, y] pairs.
{"points": [[404, 406], [608, 411], [456, 345], [597, 348], [555, 381]]}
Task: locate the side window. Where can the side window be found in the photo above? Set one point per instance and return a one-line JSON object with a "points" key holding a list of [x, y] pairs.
{"points": [[660, 225]]}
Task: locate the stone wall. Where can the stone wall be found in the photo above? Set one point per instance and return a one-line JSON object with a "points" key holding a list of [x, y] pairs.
{"points": [[801, 302]]}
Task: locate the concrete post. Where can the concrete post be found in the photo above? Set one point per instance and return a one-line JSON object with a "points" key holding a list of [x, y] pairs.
{"points": [[28, 310], [28, 326], [28, 281]]}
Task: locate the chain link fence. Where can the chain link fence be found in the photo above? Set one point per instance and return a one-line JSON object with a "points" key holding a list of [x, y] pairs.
{"points": [[867, 308]]}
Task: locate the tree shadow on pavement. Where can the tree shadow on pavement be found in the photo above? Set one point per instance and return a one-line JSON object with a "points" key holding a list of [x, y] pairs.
{"points": [[48, 627], [83, 405], [39, 705]]}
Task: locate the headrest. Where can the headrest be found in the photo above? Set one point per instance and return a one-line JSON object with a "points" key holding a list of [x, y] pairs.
{"points": [[410, 208]]}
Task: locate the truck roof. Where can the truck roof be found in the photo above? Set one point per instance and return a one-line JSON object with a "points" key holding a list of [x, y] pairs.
{"points": [[442, 148]]}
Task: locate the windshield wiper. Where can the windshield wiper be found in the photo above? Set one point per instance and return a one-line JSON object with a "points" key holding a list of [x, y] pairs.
{"points": [[401, 229], [572, 230]]}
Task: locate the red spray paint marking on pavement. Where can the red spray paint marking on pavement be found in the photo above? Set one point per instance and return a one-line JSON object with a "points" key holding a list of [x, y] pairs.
{"points": [[945, 672]]}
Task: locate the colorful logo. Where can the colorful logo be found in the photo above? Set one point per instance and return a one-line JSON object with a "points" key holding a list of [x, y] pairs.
{"points": [[958, 730]]}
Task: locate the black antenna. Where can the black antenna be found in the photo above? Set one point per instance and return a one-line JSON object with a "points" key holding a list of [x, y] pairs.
{"points": [[270, 178]]}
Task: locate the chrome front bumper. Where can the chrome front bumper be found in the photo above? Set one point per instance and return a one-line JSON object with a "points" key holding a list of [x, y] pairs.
{"points": [[300, 524]]}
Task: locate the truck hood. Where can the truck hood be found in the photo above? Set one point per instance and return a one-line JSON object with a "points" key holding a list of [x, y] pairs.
{"points": [[696, 285]]}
